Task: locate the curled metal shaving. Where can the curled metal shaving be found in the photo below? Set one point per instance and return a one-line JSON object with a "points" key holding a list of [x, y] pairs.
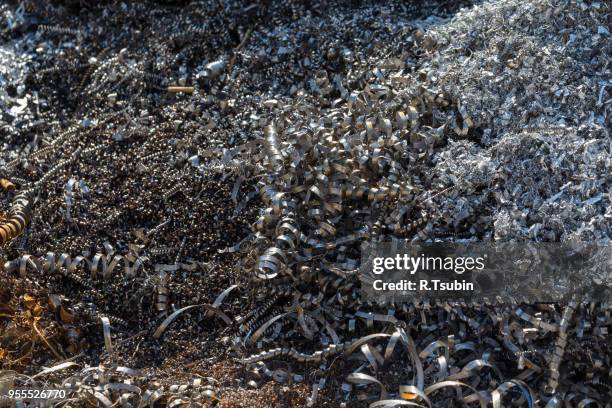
{"points": [[18, 217], [164, 325], [107, 335], [99, 264]]}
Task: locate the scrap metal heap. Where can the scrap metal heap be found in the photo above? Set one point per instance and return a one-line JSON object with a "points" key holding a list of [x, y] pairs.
{"points": [[199, 177]]}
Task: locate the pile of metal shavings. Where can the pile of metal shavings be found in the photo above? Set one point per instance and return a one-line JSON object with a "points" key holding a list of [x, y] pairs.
{"points": [[200, 176]]}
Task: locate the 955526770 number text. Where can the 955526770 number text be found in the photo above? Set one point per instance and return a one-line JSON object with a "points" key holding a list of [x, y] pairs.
{"points": [[30, 394]]}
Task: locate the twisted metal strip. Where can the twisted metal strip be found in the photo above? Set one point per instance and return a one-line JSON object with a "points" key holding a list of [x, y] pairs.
{"points": [[98, 264], [19, 217]]}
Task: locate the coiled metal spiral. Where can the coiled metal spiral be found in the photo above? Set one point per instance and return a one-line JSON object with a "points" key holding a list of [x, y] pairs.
{"points": [[18, 218]]}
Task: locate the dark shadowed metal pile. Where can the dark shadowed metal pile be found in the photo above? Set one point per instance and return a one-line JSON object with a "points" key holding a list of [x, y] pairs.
{"points": [[185, 187]]}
